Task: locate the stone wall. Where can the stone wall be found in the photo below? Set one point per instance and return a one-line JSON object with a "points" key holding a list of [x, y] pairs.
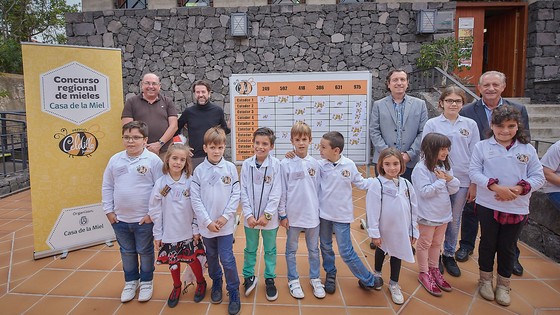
{"points": [[542, 232], [187, 44], [543, 52], [12, 94], [14, 182]]}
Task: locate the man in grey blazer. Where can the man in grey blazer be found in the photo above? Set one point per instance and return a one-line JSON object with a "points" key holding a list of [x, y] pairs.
{"points": [[398, 121], [491, 85]]}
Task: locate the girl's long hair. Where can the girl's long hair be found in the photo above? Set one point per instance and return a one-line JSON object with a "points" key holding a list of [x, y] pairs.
{"points": [[431, 144]]}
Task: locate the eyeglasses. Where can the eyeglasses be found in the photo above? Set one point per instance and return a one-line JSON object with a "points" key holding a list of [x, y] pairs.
{"points": [[449, 101], [133, 138], [150, 83]]}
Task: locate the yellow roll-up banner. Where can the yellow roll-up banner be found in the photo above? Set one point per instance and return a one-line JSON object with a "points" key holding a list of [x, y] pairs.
{"points": [[74, 99]]}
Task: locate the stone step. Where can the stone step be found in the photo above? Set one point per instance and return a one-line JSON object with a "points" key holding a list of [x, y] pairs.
{"points": [[520, 100], [539, 118], [545, 131], [549, 109]]}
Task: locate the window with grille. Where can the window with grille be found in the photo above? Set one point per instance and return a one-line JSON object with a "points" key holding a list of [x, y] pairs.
{"points": [[132, 4], [194, 3]]}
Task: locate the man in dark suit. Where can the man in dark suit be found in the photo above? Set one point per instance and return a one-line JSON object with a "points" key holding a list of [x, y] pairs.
{"points": [[491, 85]]}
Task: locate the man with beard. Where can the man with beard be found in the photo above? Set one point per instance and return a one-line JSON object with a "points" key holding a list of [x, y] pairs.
{"points": [[200, 117], [156, 110]]}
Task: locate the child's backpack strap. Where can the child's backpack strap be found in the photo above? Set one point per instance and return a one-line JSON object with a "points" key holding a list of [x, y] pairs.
{"points": [[381, 207]]}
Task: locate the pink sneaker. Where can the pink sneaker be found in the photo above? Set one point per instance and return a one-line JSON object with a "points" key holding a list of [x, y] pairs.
{"points": [[439, 280], [429, 284]]}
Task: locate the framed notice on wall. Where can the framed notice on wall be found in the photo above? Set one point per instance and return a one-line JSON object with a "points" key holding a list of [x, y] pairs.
{"points": [[326, 101]]}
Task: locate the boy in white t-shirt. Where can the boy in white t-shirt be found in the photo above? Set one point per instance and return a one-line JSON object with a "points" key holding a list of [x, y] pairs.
{"points": [[299, 209], [336, 212], [215, 196], [261, 187], [128, 180]]}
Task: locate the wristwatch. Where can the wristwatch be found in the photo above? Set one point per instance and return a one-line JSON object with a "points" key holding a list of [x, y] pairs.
{"points": [[161, 142], [268, 216]]}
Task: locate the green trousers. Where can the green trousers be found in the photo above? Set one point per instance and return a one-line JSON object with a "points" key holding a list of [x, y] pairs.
{"points": [[250, 252]]}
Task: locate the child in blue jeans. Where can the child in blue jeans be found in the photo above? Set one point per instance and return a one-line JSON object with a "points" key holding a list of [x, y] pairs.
{"points": [[299, 209], [215, 194], [128, 180], [336, 212]]}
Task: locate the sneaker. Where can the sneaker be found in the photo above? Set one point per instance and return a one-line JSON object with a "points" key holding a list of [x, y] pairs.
{"points": [[429, 284], [146, 290], [216, 292], [234, 305], [271, 291], [173, 299], [330, 282], [439, 280], [295, 289], [129, 291], [318, 288], [200, 291], [396, 294], [250, 284], [451, 266]]}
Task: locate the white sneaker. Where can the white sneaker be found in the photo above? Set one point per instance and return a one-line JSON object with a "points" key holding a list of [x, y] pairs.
{"points": [[396, 293], [295, 289], [318, 288], [129, 291], [146, 290]]}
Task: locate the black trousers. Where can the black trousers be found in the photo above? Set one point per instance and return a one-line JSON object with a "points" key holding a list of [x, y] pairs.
{"points": [[394, 262], [496, 239]]}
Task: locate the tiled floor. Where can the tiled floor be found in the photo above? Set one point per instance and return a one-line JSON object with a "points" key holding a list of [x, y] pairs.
{"points": [[89, 281]]}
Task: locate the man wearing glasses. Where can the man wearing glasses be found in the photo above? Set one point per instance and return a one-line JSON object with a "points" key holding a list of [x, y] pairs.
{"points": [[156, 110]]}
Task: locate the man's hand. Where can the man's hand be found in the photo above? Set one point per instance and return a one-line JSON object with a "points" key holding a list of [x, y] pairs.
{"points": [[145, 219], [154, 147], [405, 157]]}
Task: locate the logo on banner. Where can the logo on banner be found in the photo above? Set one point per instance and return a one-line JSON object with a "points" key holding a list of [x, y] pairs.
{"points": [[75, 93], [79, 142]]}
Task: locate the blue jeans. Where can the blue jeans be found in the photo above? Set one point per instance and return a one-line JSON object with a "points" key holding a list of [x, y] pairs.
{"points": [[219, 249], [554, 197], [458, 201], [136, 240], [312, 241], [345, 249]]}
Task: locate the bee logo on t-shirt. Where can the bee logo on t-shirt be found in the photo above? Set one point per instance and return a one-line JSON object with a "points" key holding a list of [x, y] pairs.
{"points": [[226, 180], [142, 169], [187, 193], [464, 132], [268, 179], [311, 172], [345, 173], [523, 158]]}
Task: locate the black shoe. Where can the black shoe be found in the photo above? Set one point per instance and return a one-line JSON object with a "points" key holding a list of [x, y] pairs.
{"points": [[462, 254], [451, 266], [440, 264], [517, 268], [378, 283], [250, 284], [174, 297], [271, 291], [234, 305], [216, 292], [330, 282]]}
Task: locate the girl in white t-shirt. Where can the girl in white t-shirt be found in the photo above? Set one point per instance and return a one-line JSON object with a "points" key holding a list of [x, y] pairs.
{"points": [[391, 209], [175, 228], [433, 182]]}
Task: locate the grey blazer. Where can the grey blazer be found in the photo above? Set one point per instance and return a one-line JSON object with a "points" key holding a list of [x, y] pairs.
{"points": [[383, 126]]}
